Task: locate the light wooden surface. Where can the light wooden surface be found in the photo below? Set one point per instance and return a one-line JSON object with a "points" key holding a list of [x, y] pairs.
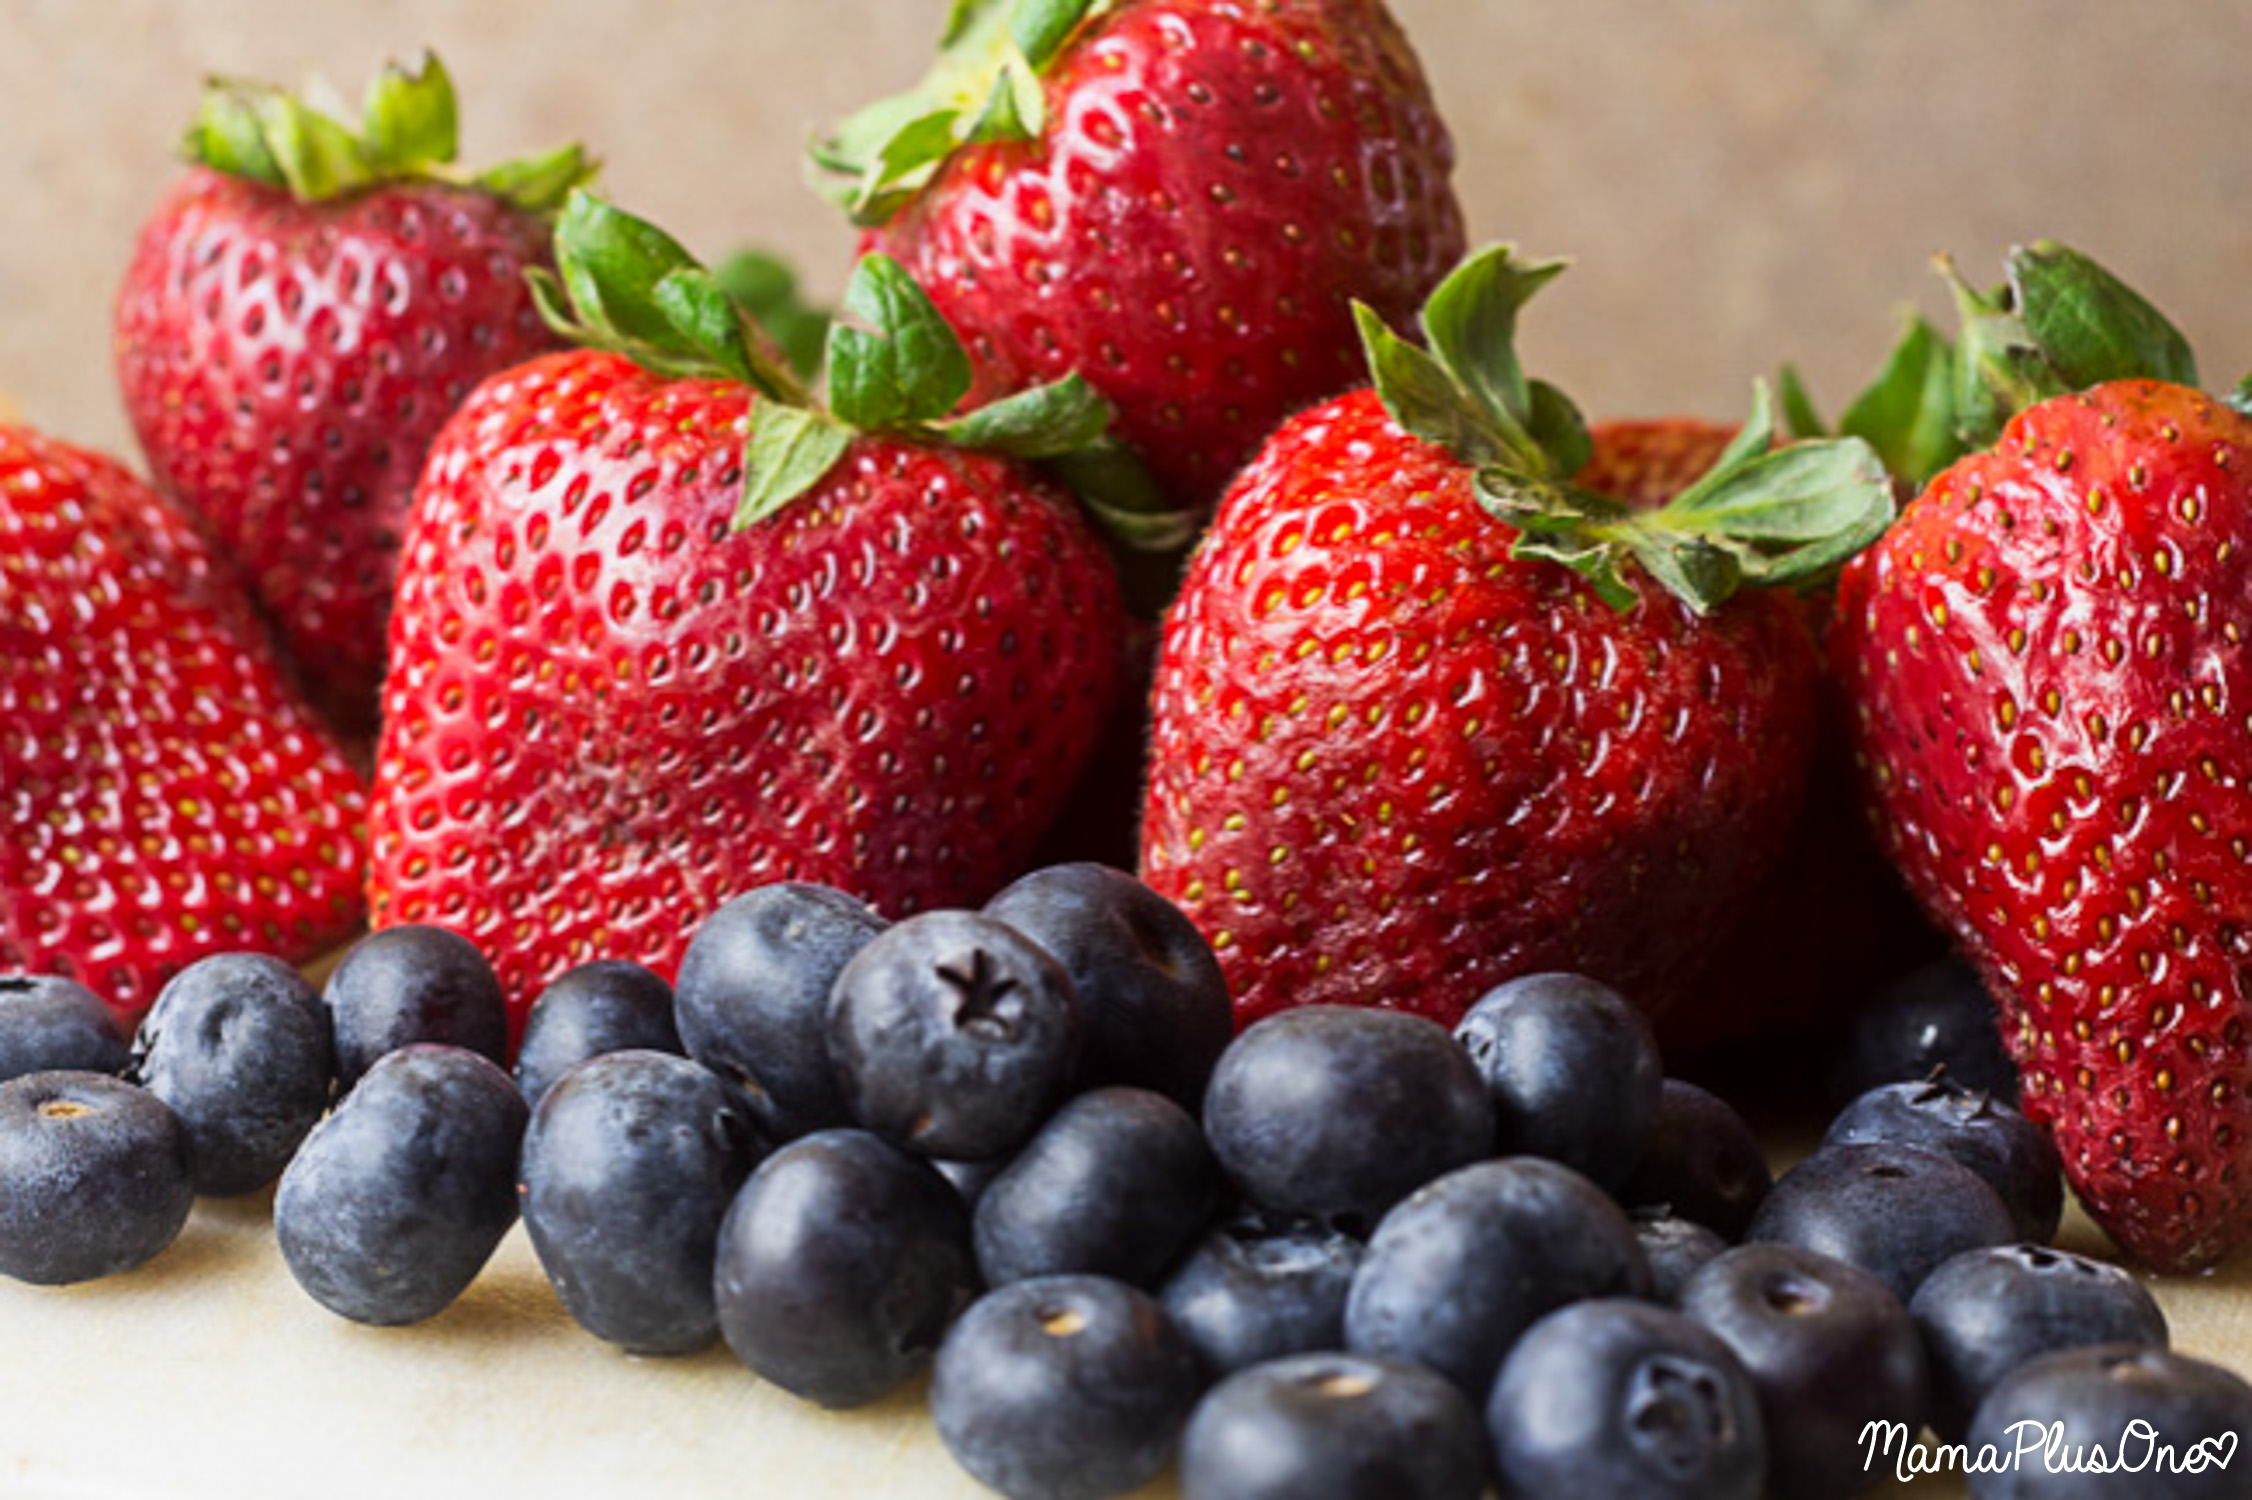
{"points": [[207, 1375]]}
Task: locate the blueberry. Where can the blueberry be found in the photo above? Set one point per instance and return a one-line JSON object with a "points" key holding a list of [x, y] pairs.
{"points": [[1467, 1263], [1938, 1016], [1893, 1210], [238, 1044], [1258, 1288], [629, 1164], [1830, 1350], [1338, 1112], [1117, 1183], [1331, 1426], [1703, 1163], [1153, 1001], [2013, 1154], [2178, 1424], [1985, 1312], [1614, 1397], [608, 1005], [95, 1176], [1063, 1388], [413, 984], [971, 1178], [752, 999], [1676, 1249], [954, 1035], [396, 1200], [51, 1024], [1573, 1069], [841, 1262]]}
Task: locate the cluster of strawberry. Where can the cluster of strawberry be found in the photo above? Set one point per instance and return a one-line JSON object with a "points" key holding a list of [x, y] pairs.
{"points": [[1454, 685]]}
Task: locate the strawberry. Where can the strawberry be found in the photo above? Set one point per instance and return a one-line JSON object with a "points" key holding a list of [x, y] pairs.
{"points": [[1428, 716], [302, 311], [1178, 198], [2050, 698], [665, 633], [166, 794]]}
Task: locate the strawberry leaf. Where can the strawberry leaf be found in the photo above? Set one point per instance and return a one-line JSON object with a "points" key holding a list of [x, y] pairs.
{"points": [[894, 361], [1800, 418], [984, 85], [228, 136], [788, 451], [765, 287], [539, 184], [1044, 421], [2241, 397], [410, 120], [1908, 413], [1471, 322], [2092, 326]]}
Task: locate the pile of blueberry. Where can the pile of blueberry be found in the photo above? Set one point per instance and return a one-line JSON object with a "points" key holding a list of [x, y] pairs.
{"points": [[1021, 1149]]}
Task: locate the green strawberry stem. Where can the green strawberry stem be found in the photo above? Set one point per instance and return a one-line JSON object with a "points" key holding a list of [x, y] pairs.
{"points": [[984, 86], [408, 131], [1762, 515], [2059, 323], [893, 363]]}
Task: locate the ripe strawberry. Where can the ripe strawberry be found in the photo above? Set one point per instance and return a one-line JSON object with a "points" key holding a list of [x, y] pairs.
{"points": [[303, 310], [2050, 688], [166, 795], [623, 690], [1178, 198], [1425, 717]]}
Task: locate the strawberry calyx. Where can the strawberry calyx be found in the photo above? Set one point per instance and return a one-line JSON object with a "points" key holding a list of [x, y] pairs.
{"points": [[984, 86], [893, 363], [2058, 323], [1762, 516], [408, 130]]}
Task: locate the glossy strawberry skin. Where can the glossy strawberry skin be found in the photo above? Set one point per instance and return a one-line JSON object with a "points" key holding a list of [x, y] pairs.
{"points": [[166, 794], [2047, 663], [607, 712], [1217, 181], [285, 366], [1392, 766]]}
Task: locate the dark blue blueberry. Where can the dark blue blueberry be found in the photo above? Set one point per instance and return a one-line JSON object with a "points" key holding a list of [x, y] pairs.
{"points": [[954, 1035], [1895, 1211], [1258, 1287], [238, 1045], [413, 984], [1676, 1249], [609, 1005], [1338, 1112], [1063, 1388], [1117, 1183], [840, 1264], [1938, 1016], [752, 999], [629, 1164], [396, 1200], [50, 1024], [1331, 1426], [1466, 1264], [2013, 1154], [1614, 1397], [2177, 1425], [1153, 1002], [1830, 1350], [1702, 1163], [95, 1177], [1985, 1312], [1573, 1069]]}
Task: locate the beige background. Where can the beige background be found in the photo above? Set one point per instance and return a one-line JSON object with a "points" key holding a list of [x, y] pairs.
{"points": [[1739, 181]]}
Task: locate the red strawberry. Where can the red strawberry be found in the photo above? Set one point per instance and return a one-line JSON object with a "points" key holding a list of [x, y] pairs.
{"points": [[1425, 720], [1646, 462], [2051, 688], [166, 795], [302, 311], [621, 692], [1178, 198]]}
